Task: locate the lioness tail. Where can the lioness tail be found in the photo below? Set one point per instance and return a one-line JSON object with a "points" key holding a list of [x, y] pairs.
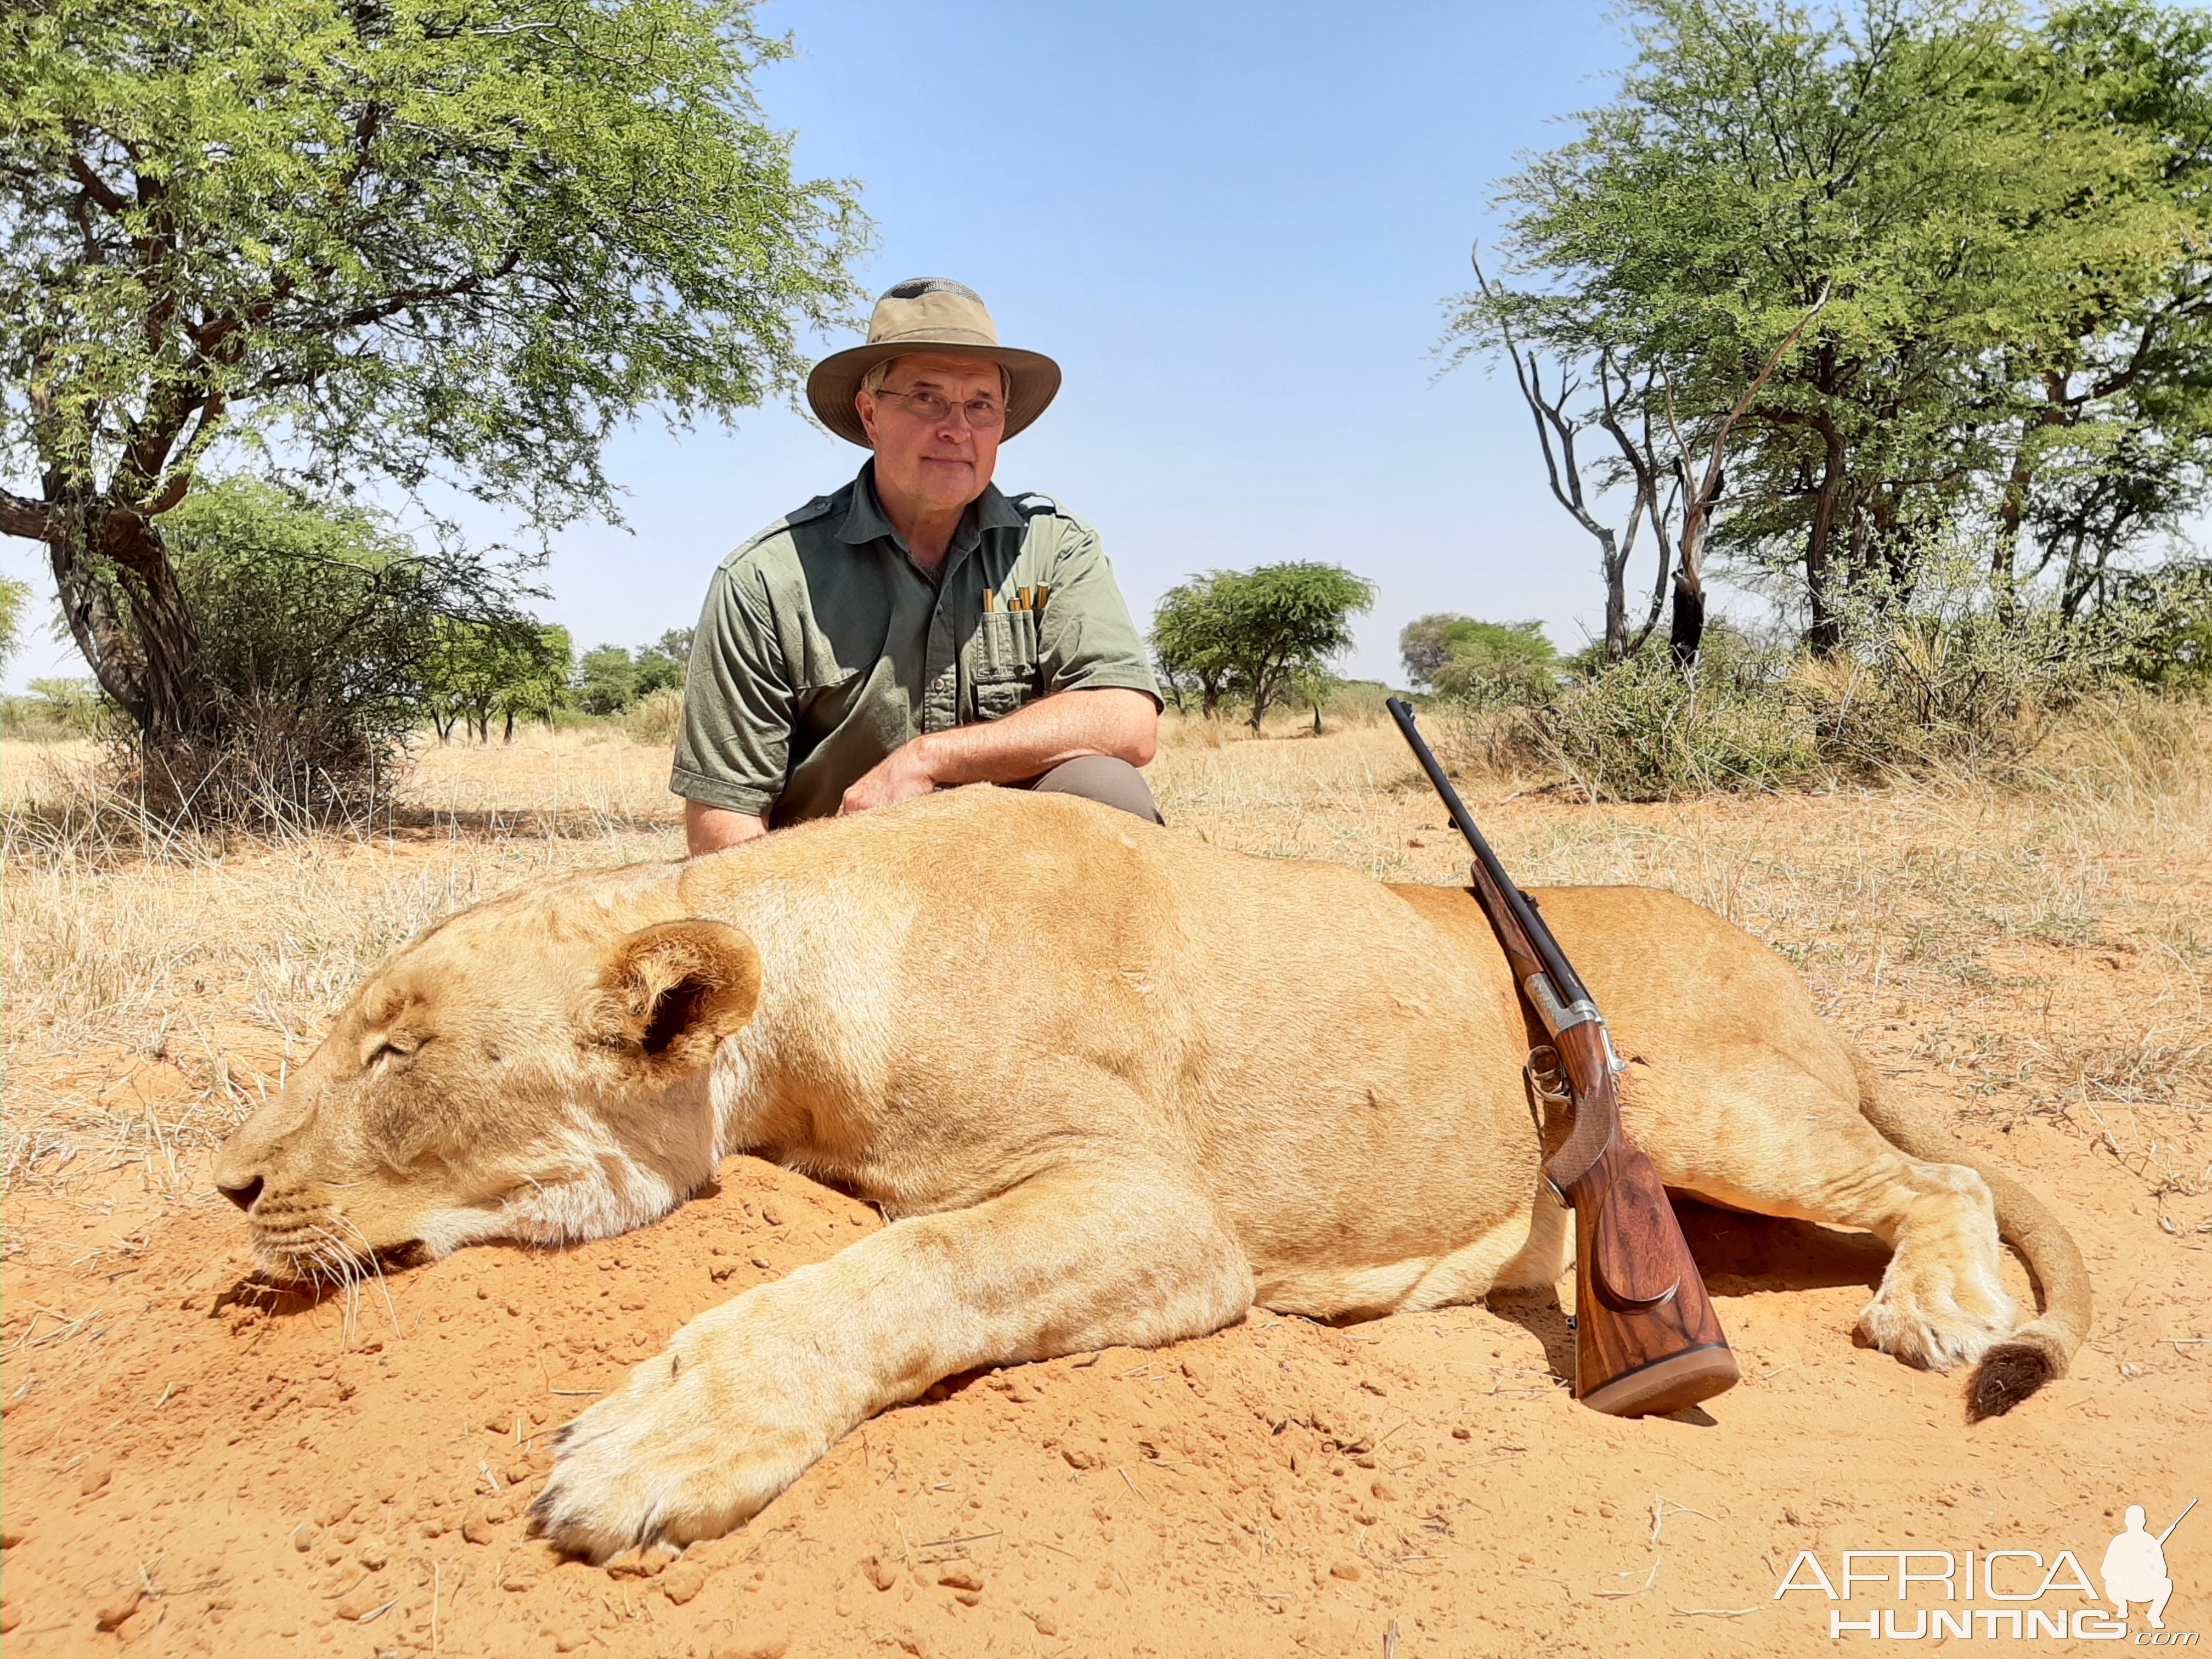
{"points": [[2042, 1349]]}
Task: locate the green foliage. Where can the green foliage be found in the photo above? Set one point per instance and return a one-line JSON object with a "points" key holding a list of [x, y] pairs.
{"points": [[54, 710], [611, 679], [537, 217], [15, 599], [1191, 633], [2168, 628], [2006, 222], [1640, 730], [326, 636], [482, 670], [1491, 664], [1948, 677], [606, 680], [1255, 634], [450, 239]]}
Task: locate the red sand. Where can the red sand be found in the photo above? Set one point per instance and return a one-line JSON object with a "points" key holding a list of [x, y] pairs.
{"points": [[197, 1466]]}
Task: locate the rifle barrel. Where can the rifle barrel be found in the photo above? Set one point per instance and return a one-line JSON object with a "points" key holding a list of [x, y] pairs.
{"points": [[1564, 980]]}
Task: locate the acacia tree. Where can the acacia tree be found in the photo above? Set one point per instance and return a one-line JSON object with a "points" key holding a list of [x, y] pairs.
{"points": [[1190, 642], [1959, 187], [480, 669], [1672, 489], [1494, 664], [1259, 631], [454, 240], [2112, 436]]}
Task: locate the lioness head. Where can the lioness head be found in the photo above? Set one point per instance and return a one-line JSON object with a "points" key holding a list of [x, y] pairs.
{"points": [[535, 1069]]}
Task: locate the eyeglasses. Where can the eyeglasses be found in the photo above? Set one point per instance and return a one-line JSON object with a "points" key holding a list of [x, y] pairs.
{"points": [[984, 414]]}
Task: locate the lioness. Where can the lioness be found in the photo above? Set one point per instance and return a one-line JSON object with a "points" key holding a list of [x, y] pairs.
{"points": [[1114, 1085]]}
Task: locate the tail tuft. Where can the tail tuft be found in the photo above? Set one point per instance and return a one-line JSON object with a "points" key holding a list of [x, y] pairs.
{"points": [[2009, 1373]]}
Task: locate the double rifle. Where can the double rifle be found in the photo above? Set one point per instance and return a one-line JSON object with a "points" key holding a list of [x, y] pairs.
{"points": [[1646, 1338]]}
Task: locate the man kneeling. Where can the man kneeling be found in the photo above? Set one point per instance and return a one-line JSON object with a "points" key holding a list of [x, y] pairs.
{"points": [[917, 628]]}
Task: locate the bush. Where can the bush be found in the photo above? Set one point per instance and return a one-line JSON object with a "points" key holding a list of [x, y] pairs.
{"points": [[1640, 730], [320, 627], [2166, 624], [1953, 680], [53, 711], [1495, 741], [654, 719]]}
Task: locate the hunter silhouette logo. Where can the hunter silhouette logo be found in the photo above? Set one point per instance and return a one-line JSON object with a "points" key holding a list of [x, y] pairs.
{"points": [[2032, 1597], [2135, 1567]]}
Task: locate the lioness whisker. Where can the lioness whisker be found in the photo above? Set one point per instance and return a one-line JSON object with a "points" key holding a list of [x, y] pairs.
{"points": [[375, 1265]]}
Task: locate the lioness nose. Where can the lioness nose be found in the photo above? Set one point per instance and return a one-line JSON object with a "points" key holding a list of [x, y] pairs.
{"points": [[243, 1196]]}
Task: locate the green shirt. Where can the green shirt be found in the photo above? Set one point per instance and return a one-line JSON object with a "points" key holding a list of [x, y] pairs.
{"points": [[822, 647]]}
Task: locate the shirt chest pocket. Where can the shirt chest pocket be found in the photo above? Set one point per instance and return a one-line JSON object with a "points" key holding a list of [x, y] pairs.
{"points": [[1007, 674]]}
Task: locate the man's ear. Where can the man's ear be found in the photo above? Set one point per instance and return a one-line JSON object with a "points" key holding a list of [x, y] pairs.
{"points": [[670, 993]]}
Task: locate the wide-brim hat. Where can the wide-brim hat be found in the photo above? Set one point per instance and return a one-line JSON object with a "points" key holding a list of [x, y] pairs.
{"points": [[929, 314]]}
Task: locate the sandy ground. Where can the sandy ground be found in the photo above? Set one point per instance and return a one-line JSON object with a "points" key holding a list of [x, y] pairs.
{"points": [[195, 1463]]}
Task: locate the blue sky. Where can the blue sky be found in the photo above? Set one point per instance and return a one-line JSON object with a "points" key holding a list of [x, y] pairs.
{"points": [[1235, 225]]}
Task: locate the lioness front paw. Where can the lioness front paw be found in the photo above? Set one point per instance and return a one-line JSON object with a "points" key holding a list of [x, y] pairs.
{"points": [[694, 1444]]}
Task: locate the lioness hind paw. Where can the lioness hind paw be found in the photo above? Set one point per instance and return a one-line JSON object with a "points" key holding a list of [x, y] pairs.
{"points": [[1923, 1338]]}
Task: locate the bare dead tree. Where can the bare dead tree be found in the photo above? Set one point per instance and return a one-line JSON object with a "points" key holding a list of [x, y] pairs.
{"points": [[1620, 404], [1659, 475]]}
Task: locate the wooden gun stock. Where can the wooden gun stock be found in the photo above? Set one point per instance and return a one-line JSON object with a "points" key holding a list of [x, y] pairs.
{"points": [[1646, 1338]]}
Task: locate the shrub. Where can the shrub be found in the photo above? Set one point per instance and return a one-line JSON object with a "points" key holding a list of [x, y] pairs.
{"points": [[1496, 742], [320, 627], [53, 711], [654, 718], [1955, 674], [2165, 619], [1639, 730]]}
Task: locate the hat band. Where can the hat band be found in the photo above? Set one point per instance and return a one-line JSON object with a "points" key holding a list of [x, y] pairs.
{"points": [[938, 337]]}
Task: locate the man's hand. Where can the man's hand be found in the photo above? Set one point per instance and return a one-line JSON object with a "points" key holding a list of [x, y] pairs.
{"points": [[1108, 720], [900, 776]]}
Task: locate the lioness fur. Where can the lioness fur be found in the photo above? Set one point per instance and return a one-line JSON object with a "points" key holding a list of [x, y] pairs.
{"points": [[1111, 1085]]}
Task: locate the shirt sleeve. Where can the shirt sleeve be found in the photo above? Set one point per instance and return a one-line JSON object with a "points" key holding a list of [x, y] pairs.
{"points": [[733, 748], [1087, 638]]}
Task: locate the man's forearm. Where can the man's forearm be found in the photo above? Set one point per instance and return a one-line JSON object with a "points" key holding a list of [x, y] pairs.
{"points": [[1109, 721], [710, 828]]}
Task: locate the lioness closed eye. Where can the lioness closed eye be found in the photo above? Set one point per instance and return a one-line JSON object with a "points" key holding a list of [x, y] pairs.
{"points": [[1147, 1085]]}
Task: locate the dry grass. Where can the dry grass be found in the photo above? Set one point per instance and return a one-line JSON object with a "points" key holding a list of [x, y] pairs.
{"points": [[2037, 949], [159, 985]]}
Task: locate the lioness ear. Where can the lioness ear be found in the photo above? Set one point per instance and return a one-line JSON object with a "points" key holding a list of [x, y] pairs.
{"points": [[670, 993]]}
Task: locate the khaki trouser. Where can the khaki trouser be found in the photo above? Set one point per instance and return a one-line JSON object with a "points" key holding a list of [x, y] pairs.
{"points": [[1103, 779]]}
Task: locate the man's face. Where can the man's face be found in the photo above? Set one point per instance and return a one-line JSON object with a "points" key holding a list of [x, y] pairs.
{"points": [[942, 461]]}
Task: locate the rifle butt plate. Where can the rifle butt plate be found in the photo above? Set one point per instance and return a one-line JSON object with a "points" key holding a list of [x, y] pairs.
{"points": [[1672, 1384]]}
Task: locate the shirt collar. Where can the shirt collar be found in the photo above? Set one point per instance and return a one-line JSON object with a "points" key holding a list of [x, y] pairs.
{"points": [[865, 520]]}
